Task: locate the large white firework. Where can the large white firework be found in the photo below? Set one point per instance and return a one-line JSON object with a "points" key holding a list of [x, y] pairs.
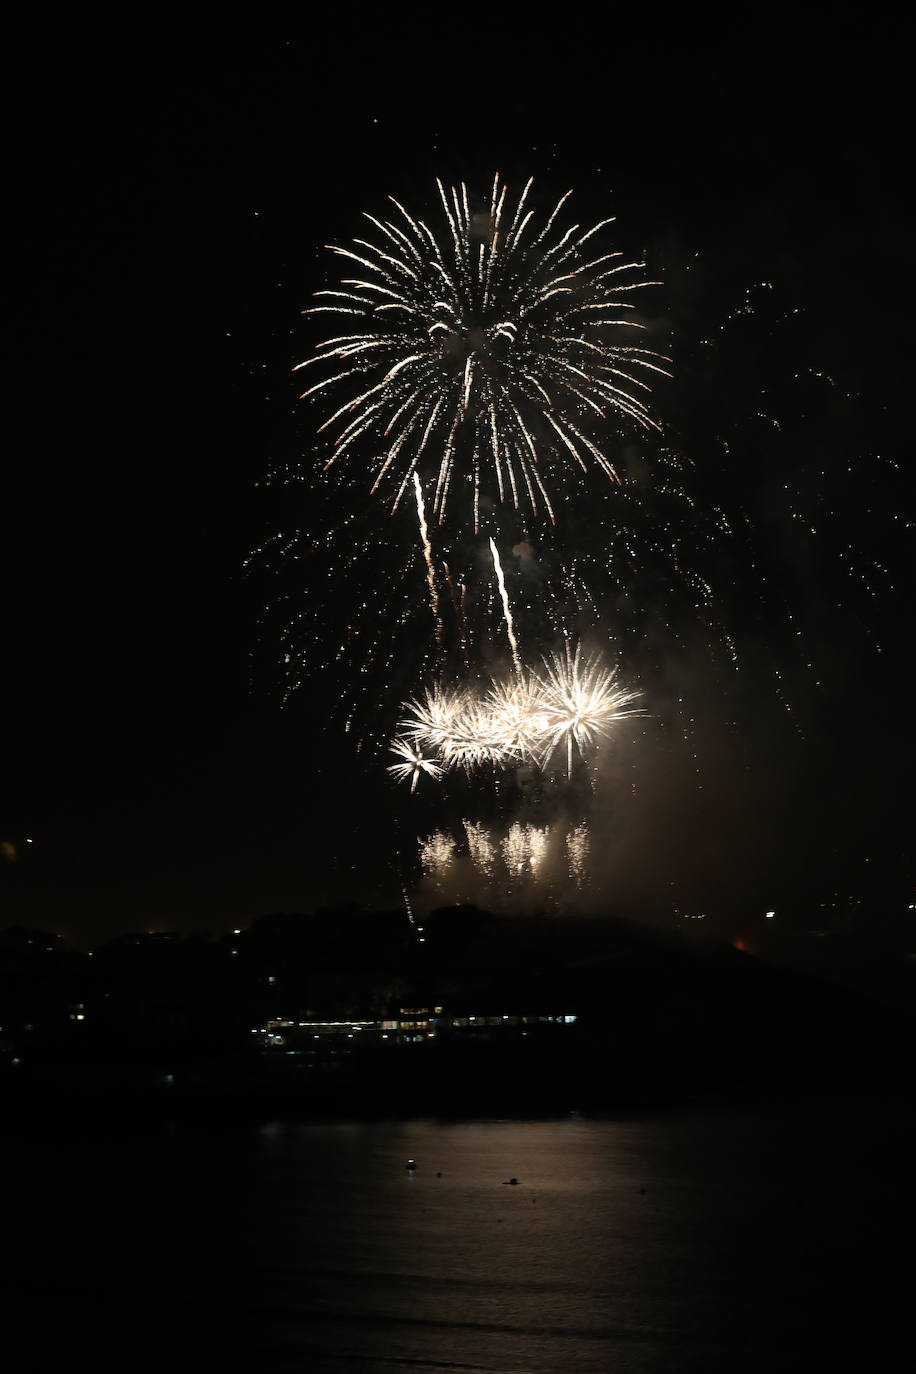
{"points": [[488, 346]]}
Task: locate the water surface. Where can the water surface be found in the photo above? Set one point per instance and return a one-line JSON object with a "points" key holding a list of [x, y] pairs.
{"points": [[707, 1241]]}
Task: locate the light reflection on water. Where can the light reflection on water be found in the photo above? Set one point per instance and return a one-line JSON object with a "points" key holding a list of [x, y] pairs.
{"points": [[711, 1242]]}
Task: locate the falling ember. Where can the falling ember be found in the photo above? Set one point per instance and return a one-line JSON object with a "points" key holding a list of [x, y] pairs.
{"points": [[507, 610]]}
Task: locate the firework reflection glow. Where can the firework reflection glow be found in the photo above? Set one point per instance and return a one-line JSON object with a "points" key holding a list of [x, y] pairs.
{"points": [[524, 849], [577, 847], [525, 856], [436, 853], [481, 848]]}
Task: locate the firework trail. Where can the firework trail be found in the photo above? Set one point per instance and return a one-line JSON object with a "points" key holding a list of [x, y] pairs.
{"points": [[482, 344], [428, 555], [407, 905], [507, 610]]}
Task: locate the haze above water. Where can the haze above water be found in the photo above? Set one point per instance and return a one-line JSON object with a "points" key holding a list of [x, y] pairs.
{"points": [[727, 1241]]}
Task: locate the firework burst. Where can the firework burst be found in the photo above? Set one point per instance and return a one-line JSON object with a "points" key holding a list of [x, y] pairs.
{"points": [[411, 764], [486, 350], [580, 702], [576, 701]]}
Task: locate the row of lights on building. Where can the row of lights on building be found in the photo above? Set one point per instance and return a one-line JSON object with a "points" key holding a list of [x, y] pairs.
{"points": [[701, 915]]}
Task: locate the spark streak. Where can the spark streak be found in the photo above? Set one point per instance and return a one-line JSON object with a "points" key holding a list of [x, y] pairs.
{"points": [[428, 555], [507, 610]]}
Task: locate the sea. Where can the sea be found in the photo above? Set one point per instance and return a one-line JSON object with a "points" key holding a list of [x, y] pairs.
{"points": [[707, 1238]]}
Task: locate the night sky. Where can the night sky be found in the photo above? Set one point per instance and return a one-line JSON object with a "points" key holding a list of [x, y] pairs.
{"points": [[169, 194]]}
